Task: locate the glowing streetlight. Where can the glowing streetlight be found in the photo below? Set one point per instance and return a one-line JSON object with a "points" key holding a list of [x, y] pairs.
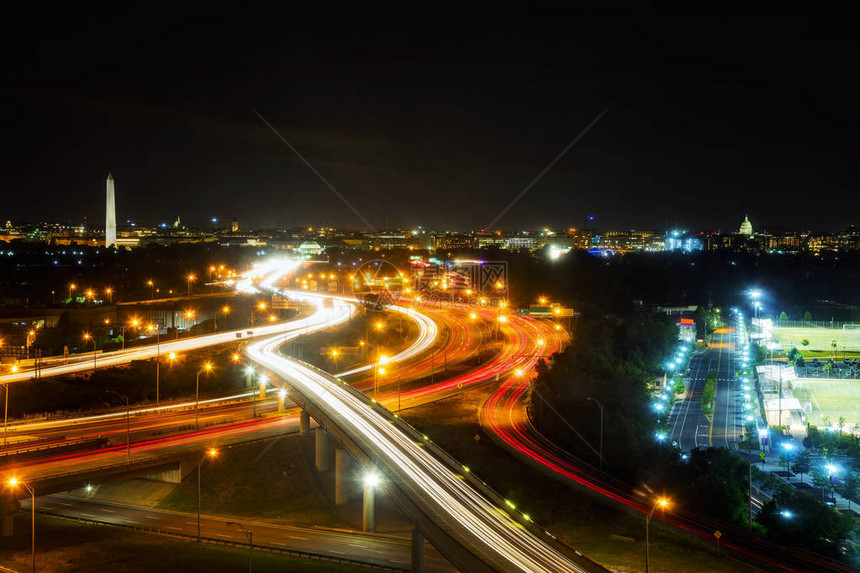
{"points": [[109, 293], [72, 287], [661, 503], [210, 453], [88, 336], [207, 367], [190, 279], [14, 483]]}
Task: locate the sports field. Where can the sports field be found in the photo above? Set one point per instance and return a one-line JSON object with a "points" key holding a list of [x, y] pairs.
{"points": [[820, 339], [828, 398]]}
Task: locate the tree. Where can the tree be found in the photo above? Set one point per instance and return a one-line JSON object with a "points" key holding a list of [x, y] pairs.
{"points": [[783, 316], [807, 316], [793, 355], [820, 479], [802, 463], [849, 488], [804, 342], [814, 525]]}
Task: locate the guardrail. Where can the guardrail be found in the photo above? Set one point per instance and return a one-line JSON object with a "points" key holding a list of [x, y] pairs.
{"points": [[462, 470], [27, 452], [227, 543]]}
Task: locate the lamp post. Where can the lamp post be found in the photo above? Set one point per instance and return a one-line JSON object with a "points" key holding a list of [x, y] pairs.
{"points": [[788, 447], [151, 286], [72, 287], [154, 328], [599, 405], [250, 535], [225, 310], [127, 422], [207, 367], [190, 279], [5, 413], [210, 453], [15, 482], [382, 360], [662, 503], [831, 471], [88, 336]]}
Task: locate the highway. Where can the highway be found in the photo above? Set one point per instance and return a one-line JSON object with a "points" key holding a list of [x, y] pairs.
{"points": [[382, 550], [119, 357], [690, 427], [487, 532]]}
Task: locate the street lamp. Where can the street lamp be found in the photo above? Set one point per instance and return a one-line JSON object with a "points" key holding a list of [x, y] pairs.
{"points": [[88, 336], [599, 405], [5, 413], [382, 360], [154, 328], [225, 310], [210, 453], [13, 483], [662, 503], [190, 279], [109, 293], [788, 447], [250, 535], [72, 287], [207, 367], [831, 471], [127, 423], [151, 286]]}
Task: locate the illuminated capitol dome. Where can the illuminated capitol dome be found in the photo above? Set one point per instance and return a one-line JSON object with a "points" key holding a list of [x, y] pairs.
{"points": [[746, 227]]}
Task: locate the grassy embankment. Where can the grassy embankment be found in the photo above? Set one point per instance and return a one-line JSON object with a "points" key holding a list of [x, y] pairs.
{"points": [[574, 517]]}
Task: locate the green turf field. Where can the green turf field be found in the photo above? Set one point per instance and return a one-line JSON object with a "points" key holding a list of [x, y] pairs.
{"points": [[820, 339], [830, 398]]}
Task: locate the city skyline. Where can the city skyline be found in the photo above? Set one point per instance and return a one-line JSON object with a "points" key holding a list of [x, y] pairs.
{"points": [[424, 121]]}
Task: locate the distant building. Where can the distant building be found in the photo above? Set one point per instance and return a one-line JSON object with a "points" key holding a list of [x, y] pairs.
{"points": [[746, 227], [309, 249]]}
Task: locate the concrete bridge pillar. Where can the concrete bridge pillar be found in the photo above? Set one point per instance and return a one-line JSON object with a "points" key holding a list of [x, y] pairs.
{"points": [[342, 464], [263, 389], [417, 551], [369, 510], [282, 401], [304, 423], [321, 450], [8, 509]]}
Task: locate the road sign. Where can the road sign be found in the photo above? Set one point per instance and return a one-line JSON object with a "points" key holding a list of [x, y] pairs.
{"points": [[761, 455], [718, 534], [539, 311]]}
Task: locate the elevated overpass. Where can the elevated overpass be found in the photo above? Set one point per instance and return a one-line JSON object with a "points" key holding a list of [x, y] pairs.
{"points": [[465, 526]]}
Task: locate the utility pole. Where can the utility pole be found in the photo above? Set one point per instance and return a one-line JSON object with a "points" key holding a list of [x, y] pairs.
{"points": [[599, 405]]}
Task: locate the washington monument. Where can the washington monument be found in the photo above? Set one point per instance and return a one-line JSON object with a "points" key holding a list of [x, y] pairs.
{"points": [[110, 215]]}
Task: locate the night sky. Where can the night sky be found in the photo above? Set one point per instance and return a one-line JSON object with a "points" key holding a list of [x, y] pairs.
{"points": [[431, 117]]}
